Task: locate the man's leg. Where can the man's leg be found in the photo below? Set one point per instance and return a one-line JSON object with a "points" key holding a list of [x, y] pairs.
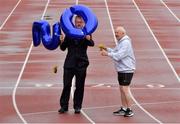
{"points": [[127, 97], [123, 99], [124, 81], [67, 82], [122, 110], [79, 91]]}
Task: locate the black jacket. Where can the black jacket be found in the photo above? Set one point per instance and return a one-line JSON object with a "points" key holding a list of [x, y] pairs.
{"points": [[77, 52]]}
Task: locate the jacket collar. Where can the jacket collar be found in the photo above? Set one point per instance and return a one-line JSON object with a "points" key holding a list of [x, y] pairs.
{"points": [[123, 38]]}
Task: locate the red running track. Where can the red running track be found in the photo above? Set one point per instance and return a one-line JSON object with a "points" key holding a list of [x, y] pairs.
{"points": [[154, 88]]}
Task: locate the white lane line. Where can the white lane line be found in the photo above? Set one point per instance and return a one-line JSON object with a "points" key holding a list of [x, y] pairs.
{"points": [[109, 16], [164, 54], [77, 2], [170, 10], [10, 15], [107, 8], [37, 113], [155, 86], [20, 75], [98, 85], [139, 105]]}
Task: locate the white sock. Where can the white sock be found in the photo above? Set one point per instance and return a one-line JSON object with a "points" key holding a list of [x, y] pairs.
{"points": [[124, 108]]}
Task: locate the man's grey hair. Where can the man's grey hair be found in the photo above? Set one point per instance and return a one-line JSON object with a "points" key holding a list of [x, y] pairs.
{"points": [[120, 28]]}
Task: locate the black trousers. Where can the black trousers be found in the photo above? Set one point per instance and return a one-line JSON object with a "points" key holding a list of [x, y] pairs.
{"points": [[80, 75]]}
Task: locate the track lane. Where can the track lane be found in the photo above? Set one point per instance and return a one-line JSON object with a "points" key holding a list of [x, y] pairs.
{"points": [[149, 58], [14, 48], [40, 75], [151, 65], [5, 9], [174, 5], [165, 28]]}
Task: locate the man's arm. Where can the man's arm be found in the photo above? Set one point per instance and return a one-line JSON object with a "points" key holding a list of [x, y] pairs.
{"points": [[121, 53], [89, 40], [64, 43]]}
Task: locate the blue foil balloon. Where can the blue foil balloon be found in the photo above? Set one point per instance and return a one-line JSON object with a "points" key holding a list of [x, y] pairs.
{"points": [[41, 31], [88, 16]]}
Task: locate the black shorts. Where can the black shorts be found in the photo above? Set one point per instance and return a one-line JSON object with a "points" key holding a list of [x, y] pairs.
{"points": [[125, 78]]}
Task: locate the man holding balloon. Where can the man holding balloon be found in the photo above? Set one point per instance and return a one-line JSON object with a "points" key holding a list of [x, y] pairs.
{"points": [[76, 64], [78, 38]]}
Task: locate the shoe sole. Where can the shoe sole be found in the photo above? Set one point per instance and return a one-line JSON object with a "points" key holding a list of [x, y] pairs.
{"points": [[128, 115], [119, 114], [77, 112], [63, 112]]}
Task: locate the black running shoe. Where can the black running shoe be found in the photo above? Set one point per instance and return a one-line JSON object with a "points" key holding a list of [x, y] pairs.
{"points": [[62, 110], [121, 111], [128, 113], [77, 111]]}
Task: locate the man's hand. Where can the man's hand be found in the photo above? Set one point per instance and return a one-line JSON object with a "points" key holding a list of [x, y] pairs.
{"points": [[102, 47], [88, 37], [61, 38], [104, 53]]}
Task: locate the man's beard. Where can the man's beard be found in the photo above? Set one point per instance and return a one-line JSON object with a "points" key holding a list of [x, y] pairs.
{"points": [[79, 27]]}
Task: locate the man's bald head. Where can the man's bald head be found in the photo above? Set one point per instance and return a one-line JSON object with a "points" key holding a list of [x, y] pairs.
{"points": [[120, 32]]}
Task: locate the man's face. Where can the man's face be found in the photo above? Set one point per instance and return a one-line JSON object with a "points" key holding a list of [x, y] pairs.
{"points": [[79, 22], [119, 34]]}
